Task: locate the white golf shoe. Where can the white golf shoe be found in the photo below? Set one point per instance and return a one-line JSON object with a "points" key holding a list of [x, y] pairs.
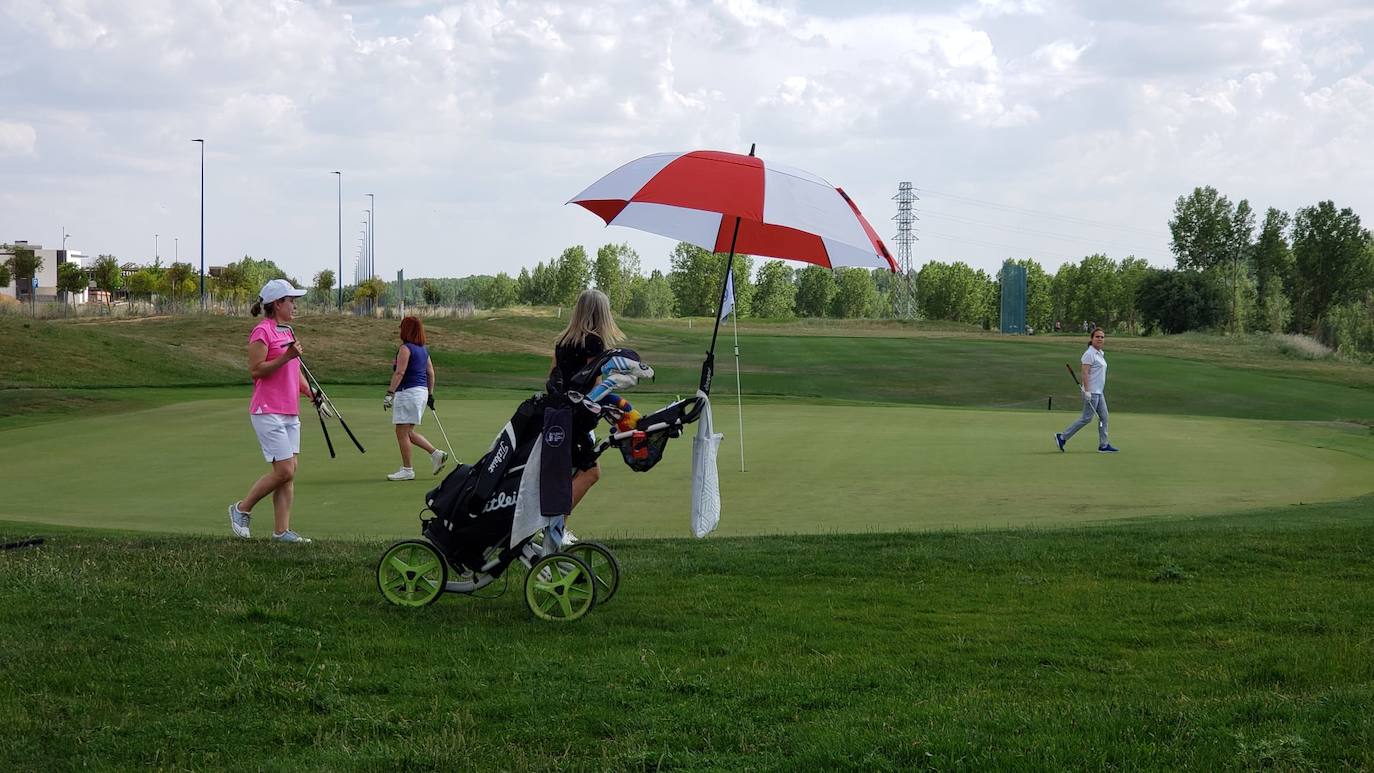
{"points": [[440, 458], [238, 521], [405, 473]]}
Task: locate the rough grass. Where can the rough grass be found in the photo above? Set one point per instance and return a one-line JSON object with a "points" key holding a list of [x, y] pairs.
{"points": [[800, 360], [1165, 646]]}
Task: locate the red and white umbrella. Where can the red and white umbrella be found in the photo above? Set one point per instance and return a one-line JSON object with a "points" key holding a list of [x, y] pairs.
{"points": [[730, 202]]}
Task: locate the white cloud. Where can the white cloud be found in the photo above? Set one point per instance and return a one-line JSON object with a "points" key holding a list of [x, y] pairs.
{"points": [[17, 139], [471, 121]]}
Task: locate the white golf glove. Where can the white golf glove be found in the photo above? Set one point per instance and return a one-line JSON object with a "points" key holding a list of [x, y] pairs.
{"points": [[388, 400], [1087, 395], [317, 398]]}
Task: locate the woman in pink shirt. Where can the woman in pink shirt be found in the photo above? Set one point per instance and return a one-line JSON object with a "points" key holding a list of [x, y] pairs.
{"points": [[274, 410]]}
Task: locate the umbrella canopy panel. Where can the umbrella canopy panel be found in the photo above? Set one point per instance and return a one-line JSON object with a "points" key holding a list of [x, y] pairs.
{"points": [[696, 197]]}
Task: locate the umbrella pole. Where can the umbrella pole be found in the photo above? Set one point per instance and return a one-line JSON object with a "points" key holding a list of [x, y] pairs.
{"points": [[708, 368]]}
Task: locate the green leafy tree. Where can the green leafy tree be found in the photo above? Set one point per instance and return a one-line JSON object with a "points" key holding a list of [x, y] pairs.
{"points": [[1351, 327], [1332, 257], [815, 291], [6, 275], [323, 287], [616, 266], [951, 291], [106, 273], [775, 293], [178, 281], [369, 293], [524, 287], [1203, 229], [143, 283], [430, 292], [25, 264], [1098, 295], [692, 278], [651, 297], [1130, 274], [499, 292], [574, 272], [1274, 268], [1275, 311], [855, 294], [71, 278], [1177, 301]]}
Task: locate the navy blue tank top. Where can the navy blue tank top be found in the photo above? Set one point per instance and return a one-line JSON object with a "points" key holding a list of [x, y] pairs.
{"points": [[417, 369]]}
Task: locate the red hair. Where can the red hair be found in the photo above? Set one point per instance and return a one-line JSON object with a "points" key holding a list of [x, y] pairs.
{"points": [[412, 331]]}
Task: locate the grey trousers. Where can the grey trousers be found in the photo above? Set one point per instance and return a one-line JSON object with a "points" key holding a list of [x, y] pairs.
{"points": [[1096, 404]]}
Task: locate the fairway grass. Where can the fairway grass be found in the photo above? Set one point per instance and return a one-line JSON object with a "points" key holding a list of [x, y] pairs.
{"points": [[810, 469], [1160, 646]]}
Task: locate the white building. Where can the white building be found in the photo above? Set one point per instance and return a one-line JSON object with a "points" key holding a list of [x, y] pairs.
{"points": [[47, 272]]}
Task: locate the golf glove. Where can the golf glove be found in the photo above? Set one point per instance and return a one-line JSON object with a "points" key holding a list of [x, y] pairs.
{"points": [[1087, 396], [386, 401], [430, 401], [317, 398]]}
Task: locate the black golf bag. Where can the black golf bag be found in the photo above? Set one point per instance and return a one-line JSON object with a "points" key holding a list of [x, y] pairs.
{"points": [[473, 509]]}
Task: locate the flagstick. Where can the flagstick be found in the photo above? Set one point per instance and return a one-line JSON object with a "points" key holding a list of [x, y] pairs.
{"points": [[739, 397]]}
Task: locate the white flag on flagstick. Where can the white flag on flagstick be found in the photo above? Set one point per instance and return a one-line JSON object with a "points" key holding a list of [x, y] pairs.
{"points": [[728, 305]]}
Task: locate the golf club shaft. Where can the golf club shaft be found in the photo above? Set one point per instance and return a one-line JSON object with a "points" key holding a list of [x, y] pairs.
{"points": [[1071, 373], [324, 428], [314, 384], [440, 425]]}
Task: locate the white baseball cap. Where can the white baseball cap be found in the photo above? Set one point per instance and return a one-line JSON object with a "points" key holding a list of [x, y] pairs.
{"points": [[277, 289]]}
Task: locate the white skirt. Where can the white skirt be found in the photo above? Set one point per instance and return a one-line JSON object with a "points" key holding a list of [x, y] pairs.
{"points": [[408, 407]]}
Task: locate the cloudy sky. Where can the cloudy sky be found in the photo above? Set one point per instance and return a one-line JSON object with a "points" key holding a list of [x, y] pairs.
{"points": [[1033, 128]]}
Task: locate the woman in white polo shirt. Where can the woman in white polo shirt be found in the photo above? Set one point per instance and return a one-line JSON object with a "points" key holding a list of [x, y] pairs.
{"points": [[274, 364], [1093, 385]]}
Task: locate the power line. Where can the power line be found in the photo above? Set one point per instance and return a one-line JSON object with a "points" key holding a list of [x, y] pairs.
{"points": [[1018, 248], [1022, 229], [1040, 213]]}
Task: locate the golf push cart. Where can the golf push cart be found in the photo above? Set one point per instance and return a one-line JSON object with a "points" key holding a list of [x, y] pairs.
{"points": [[510, 505]]}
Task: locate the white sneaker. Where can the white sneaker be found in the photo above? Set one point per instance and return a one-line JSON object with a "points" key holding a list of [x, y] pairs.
{"points": [[238, 521], [405, 473], [568, 537], [290, 536], [440, 458]]}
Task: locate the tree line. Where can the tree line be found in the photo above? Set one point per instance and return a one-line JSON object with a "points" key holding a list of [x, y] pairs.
{"points": [[1310, 272]]}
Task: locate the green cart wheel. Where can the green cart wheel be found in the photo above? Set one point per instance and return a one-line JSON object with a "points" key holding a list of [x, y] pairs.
{"points": [[411, 573], [560, 588], [604, 565]]}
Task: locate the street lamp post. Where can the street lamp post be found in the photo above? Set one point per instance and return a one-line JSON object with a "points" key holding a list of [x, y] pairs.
{"points": [[176, 249], [202, 223], [340, 174], [372, 236], [367, 243], [154, 249], [64, 238]]}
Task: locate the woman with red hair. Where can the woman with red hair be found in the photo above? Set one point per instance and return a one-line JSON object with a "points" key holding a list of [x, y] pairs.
{"points": [[411, 389]]}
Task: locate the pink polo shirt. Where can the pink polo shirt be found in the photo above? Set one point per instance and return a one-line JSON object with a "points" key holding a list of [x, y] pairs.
{"points": [[281, 391]]}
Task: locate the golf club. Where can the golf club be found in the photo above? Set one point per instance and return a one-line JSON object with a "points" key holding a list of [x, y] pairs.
{"points": [[1075, 375], [315, 388], [441, 430]]}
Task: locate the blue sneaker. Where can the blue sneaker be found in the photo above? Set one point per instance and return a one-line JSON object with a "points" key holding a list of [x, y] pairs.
{"points": [[1108, 449], [290, 536], [238, 521], [1059, 441]]}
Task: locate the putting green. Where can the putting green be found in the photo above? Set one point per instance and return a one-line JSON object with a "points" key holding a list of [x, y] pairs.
{"points": [[810, 469]]}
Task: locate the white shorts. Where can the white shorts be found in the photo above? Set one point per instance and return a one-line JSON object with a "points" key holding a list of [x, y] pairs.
{"points": [[279, 434], [408, 407]]}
